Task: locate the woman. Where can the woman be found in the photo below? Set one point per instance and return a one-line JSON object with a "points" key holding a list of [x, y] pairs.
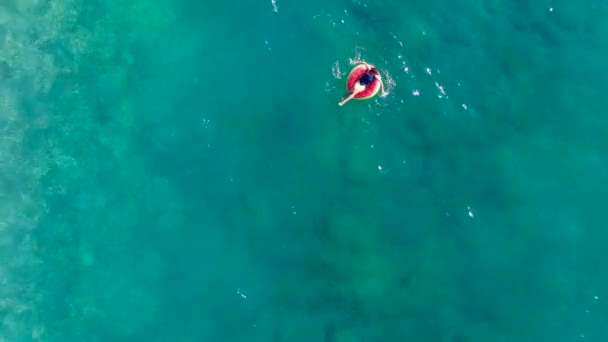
{"points": [[363, 83]]}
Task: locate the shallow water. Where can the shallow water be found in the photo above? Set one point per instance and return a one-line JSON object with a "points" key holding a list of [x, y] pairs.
{"points": [[177, 170]]}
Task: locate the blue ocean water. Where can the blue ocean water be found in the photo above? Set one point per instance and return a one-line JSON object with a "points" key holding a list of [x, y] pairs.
{"points": [[177, 170]]}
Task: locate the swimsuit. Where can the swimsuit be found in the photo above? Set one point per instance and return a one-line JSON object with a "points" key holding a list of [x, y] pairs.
{"points": [[366, 79]]}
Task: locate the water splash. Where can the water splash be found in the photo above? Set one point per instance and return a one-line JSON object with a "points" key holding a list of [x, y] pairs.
{"points": [[335, 70], [397, 39], [356, 59], [389, 84]]}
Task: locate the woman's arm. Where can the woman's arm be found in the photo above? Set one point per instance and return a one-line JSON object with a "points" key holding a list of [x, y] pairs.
{"points": [[367, 66]]}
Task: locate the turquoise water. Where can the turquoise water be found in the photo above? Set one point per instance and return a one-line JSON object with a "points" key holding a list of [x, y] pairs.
{"points": [[178, 170]]}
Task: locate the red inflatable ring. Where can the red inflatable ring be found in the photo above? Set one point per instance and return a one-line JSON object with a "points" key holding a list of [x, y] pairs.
{"points": [[355, 75]]}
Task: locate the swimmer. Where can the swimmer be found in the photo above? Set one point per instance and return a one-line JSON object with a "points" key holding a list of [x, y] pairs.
{"points": [[362, 83]]}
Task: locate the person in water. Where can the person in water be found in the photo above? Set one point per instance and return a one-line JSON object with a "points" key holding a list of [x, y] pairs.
{"points": [[362, 83]]}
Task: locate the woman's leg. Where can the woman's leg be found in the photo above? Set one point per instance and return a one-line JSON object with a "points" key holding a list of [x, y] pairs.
{"points": [[352, 93], [349, 96]]}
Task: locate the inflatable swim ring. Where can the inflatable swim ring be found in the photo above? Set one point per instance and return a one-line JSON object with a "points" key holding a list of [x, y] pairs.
{"points": [[355, 74]]}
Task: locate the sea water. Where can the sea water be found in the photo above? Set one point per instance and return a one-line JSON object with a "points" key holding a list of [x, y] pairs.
{"points": [[179, 170]]}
